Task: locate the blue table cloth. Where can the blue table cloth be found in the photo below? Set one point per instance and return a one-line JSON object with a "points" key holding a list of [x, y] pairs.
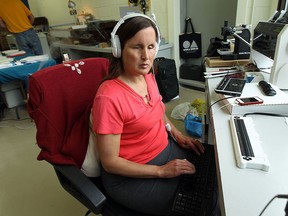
{"points": [[22, 72]]}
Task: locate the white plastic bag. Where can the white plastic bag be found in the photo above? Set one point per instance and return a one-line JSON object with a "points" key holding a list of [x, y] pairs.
{"points": [[180, 111]]}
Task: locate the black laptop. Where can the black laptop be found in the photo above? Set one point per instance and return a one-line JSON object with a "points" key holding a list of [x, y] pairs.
{"points": [[231, 86]]}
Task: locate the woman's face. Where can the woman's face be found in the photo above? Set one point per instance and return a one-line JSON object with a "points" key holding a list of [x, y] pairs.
{"points": [[139, 52]]}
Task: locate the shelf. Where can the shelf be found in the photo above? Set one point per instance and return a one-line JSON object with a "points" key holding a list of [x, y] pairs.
{"points": [[192, 83]]}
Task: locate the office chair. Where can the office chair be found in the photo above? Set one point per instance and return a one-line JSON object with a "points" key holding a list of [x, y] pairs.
{"points": [[41, 24], [60, 100]]}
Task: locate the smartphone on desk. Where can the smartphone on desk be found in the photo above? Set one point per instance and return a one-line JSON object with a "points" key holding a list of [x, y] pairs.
{"points": [[249, 100]]}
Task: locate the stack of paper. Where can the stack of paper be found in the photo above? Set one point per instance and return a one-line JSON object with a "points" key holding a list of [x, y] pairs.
{"points": [[13, 53], [37, 58], [220, 72]]}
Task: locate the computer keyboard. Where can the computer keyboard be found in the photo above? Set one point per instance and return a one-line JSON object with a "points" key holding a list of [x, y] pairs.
{"points": [[194, 195]]}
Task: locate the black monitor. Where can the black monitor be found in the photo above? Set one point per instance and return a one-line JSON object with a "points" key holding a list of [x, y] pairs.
{"points": [[270, 49]]}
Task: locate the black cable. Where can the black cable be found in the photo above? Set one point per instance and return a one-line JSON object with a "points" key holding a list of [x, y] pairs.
{"points": [[281, 196], [209, 108], [88, 212], [268, 114]]}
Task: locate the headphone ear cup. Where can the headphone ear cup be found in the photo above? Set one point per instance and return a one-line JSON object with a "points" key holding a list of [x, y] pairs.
{"points": [[116, 46]]}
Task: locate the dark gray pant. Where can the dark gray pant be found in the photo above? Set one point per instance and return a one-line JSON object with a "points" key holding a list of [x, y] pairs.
{"points": [[151, 196]]}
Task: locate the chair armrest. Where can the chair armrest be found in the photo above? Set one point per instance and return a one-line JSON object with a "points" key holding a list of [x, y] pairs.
{"points": [[81, 187]]}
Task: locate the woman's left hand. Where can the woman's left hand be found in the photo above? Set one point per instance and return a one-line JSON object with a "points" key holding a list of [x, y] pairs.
{"points": [[190, 143]]}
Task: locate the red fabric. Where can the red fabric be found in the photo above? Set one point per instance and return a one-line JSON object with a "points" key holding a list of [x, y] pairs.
{"points": [[60, 101]]}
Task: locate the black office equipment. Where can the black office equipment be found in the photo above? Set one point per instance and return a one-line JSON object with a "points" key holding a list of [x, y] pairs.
{"points": [[195, 192], [242, 40], [270, 50], [267, 88], [231, 86]]}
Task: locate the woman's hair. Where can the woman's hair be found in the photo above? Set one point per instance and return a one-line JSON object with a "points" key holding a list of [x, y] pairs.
{"points": [[125, 32]]}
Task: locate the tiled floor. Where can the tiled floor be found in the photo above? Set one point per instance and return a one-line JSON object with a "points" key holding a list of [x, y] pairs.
{"points": [[29, 187]]}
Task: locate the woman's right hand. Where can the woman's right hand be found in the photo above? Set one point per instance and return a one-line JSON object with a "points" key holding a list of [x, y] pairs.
{"points": [[175, 168]]}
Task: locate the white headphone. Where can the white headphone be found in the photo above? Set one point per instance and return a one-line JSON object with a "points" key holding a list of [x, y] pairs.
{"points": [[115, 41]]}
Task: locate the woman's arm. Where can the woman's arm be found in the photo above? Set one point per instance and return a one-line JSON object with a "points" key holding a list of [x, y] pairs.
{"points": [[31, 19], [185, 141], [108, 147], [2, 24]]}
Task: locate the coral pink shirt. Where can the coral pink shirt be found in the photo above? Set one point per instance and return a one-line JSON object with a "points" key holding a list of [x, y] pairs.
{"points": [[118, 109]]}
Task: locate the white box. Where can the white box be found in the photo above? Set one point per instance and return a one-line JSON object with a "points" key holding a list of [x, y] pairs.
{"points": [[277, 104]]}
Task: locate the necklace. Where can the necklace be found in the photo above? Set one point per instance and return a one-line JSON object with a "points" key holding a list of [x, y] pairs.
{"points": [[140, 88], [147, 97]]}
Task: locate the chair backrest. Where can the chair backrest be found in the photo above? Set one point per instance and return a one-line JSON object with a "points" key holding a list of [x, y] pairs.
{"points": [[41, 24], [60, 100]]}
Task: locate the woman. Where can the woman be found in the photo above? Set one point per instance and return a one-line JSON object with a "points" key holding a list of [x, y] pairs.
{"points": [[141, 165]]}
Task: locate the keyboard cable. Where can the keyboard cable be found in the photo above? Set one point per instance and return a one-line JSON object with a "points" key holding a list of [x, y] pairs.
{"points": [[209, 108], [281, 196]]}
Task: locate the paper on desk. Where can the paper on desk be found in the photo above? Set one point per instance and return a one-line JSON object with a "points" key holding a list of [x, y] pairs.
{"points": [[13, 53], [37, 58]]}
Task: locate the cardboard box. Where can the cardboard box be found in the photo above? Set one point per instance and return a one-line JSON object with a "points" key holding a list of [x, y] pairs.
{"points": [[218, 62], [277, 104]]}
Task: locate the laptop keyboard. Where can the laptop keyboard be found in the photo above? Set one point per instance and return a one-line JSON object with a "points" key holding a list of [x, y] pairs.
{"points": [[195, 192]]}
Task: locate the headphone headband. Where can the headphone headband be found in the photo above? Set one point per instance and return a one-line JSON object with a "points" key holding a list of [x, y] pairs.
{"points": [[115, 42]]}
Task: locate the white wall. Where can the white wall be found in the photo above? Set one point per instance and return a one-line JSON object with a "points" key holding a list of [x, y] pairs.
{"points": [[208, 17], [253, 11], [57, 11]]}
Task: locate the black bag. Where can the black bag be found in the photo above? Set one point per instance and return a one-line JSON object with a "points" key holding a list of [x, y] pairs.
{"points": [[191, 72], [166, 78], [190, 43]]}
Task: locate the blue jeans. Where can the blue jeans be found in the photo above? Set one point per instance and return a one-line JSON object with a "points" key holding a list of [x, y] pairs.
{"points": [[29, 42]]}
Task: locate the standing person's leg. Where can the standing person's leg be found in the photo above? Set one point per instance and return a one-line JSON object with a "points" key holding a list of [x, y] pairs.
{"points": [[34, 42], [22, 43], [29, 42]]}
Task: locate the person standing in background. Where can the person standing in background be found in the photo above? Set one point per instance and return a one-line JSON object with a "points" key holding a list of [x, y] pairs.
{"points": [[18, 20]]}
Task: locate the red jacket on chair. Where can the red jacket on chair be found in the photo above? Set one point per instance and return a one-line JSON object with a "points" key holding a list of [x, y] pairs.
{"points": [[60, 100]]}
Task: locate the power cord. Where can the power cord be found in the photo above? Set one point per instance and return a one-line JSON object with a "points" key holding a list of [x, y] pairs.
{"points": [[268, 114], [209, 108], [281, 196]]}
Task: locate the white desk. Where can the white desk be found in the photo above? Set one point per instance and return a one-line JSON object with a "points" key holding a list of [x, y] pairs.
{"points": [[247, 191]]}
